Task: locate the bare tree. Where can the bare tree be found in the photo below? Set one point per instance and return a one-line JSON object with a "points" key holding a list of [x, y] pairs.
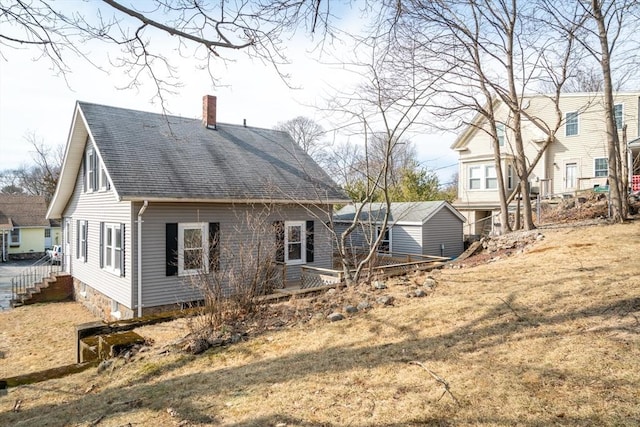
{"points": [[207, 31], [306, 133], [39, 178], [491, 55], [607, 31]]}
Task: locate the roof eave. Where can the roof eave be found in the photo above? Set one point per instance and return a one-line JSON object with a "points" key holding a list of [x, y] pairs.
{"points": [[154, 199]]}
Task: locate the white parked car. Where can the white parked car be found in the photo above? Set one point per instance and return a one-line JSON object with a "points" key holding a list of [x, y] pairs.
{"points": [[55, 254]]}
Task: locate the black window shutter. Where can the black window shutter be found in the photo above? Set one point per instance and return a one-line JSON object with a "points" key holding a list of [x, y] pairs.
{"points": [[214, 246], [309, 241], [278, 226], [122, 246], [172, 248], [101, 256], [86, 240]]}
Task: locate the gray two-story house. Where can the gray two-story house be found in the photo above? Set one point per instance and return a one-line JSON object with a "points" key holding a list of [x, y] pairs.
{"points": [[147, 201]]}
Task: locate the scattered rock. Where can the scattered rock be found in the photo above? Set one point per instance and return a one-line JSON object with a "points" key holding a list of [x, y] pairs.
{"points": [[429, 282], [379, 285], [196, 346], [419, 293], [334, 317], [104, 365], [351, 309], [363, 305], [331, 291], [385, 300]]}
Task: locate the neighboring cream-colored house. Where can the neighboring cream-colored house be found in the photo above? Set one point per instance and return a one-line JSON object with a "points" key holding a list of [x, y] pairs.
{"points": [[24, 230], [576, 161]]}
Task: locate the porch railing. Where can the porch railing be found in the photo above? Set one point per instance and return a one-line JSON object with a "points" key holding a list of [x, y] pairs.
{"points": [[26, 281]]}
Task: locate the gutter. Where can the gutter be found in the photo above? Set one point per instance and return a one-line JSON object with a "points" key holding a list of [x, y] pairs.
{"points": [[139, 222]]}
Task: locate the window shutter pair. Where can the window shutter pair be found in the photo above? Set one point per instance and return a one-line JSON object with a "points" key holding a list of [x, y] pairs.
{"points": [[279, 230], [171, 247]]}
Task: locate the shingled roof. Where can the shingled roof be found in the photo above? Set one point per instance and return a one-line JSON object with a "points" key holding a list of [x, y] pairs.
{"points": [[21, 210], [157, 157], [400, 212]]}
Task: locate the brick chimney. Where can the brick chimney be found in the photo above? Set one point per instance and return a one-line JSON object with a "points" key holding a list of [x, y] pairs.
{"points": [[209, 111]]}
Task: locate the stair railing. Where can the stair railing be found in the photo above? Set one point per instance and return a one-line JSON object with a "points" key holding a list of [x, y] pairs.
{"points": [[26, 280]]}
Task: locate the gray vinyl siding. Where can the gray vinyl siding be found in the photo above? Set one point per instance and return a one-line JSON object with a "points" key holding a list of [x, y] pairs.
{"points": [[96, 207], [406, 239], [160, 289], [443, 228], [355, 239]]}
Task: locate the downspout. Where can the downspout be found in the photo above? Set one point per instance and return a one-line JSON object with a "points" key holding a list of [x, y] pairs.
{"points": [[140, 212]]}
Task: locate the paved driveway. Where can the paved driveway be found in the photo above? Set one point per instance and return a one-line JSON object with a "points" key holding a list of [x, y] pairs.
{"points": [[7, 271]]}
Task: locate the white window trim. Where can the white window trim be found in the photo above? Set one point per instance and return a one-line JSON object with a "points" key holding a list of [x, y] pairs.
{"points": [[595, 170], [510, 178], [487, 177], [90, 165], [566, 122], [81, 240], [204, 227], [303, 242], [116, 230], [479, 167], [378, 231]]}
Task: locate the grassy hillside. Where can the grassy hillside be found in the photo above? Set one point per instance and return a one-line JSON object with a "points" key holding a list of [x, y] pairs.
{"points": [[544, 337]]}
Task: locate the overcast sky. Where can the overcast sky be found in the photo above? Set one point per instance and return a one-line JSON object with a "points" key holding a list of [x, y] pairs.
{"points": [[33, 100]]}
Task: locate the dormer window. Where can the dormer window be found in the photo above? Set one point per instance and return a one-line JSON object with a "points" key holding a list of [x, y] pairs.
{"points": [[91, 163]]}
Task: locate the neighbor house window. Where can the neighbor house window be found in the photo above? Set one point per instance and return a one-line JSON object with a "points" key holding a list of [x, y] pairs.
{"points": [[81, 240], [500, 133], [617, 115], [601, 167], [15, 237], [112, 242], [491, 182], [294, 242], [571, 123], [475, 177], [47, 233], [385, 243], [192, 248]]}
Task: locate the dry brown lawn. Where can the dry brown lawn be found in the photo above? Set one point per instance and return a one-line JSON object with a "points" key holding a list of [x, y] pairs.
{"points": [[545, 337]]}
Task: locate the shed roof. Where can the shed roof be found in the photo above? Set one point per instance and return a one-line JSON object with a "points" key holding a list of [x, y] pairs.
{"points": [[401, 212]]}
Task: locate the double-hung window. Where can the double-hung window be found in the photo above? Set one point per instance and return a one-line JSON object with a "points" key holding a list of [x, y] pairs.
{"points": [[91, 165], [571, 123], [112, 246], [294, 242], [475, 177], [617, 115], [193, 246], [490, 180], [600, 167], [15, 237], [81, 240]]}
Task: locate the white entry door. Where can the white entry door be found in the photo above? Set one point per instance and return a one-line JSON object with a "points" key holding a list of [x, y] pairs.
{"points": [[47, 238], [570, 176]]}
